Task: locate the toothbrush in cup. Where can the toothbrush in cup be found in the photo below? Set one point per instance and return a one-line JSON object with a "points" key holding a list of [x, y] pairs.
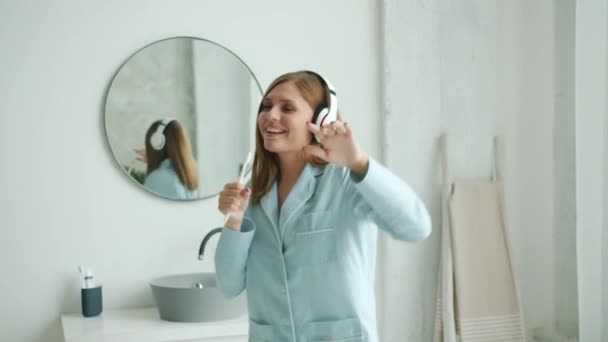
{"points": [[87, 281], [244, 175]]}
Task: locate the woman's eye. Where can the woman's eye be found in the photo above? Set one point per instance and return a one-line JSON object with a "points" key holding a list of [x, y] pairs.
{"points": [[265, 108], [287, 109]]}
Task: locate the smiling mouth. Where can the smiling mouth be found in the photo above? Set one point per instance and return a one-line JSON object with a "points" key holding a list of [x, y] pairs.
{"points": [[274, 131]]}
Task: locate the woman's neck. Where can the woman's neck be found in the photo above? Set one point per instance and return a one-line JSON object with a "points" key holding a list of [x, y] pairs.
{"points": [[291, 167]]}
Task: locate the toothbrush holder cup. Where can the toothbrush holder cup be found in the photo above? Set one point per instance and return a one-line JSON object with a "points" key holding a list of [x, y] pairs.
{"points": [[91, 301]]}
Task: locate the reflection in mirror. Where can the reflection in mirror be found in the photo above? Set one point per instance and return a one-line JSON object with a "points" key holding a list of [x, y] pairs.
{"points": [[180, 116]]}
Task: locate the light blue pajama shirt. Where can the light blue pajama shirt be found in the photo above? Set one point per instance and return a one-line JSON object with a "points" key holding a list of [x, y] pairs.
{"points": [[309, 272], [165, 181]]}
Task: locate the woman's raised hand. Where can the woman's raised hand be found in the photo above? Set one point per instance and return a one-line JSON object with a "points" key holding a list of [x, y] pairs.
{"points": [[338, 145]]}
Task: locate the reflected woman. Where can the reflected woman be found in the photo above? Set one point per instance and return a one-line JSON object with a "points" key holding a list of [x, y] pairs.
{"points": [[172, 171]]}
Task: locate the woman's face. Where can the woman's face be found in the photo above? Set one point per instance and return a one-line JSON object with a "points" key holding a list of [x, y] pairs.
{"points": [[282, 119]]}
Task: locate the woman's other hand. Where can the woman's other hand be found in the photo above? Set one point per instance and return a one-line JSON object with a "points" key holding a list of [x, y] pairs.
{"points": [[141, 155]]}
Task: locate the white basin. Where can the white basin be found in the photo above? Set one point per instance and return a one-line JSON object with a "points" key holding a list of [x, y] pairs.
{"points": [[194, 297]]}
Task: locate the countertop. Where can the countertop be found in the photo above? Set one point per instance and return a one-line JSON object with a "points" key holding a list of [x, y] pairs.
{"points": [[144, 325]]}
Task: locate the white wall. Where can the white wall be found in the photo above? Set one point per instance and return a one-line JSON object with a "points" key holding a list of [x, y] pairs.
{"points": [[565, 278], [591, 153], [535, 237], [473, 69], [64, 200]]}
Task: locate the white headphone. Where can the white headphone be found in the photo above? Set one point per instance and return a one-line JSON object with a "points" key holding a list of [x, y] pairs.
{"points": [[323, 116], [157, 139]]}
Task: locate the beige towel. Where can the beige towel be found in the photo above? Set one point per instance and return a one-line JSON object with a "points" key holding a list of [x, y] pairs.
{"points": [[484, 297]]}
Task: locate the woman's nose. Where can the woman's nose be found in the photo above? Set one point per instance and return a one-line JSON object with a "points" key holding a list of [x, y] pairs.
{"points": [[273, 114]]}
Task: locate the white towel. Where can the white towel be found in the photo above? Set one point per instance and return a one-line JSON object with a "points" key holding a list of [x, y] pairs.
{"points": [[477, 298]]}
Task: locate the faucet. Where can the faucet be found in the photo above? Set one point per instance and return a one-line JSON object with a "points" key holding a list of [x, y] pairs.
{"points": [[201, 249]]}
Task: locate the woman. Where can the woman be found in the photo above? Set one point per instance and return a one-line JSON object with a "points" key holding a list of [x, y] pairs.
{"points": [[302, 241], [171, 170]]}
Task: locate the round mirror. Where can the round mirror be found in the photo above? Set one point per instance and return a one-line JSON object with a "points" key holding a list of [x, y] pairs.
{"points": [[180, 117]]}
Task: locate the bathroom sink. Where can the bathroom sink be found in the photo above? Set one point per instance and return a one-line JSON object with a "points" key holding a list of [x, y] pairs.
{"points": [[194, 297]]}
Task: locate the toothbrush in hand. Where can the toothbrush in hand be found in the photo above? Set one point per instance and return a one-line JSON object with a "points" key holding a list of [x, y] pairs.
{"points": [[244, 176]]}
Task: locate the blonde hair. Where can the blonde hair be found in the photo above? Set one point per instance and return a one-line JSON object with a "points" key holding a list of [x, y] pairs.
{"points": [[265, 164], [177, 149]]}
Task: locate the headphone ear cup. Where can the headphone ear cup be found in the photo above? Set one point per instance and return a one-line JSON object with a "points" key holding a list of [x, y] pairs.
{"points": [[320, 117], [157, 140]]}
